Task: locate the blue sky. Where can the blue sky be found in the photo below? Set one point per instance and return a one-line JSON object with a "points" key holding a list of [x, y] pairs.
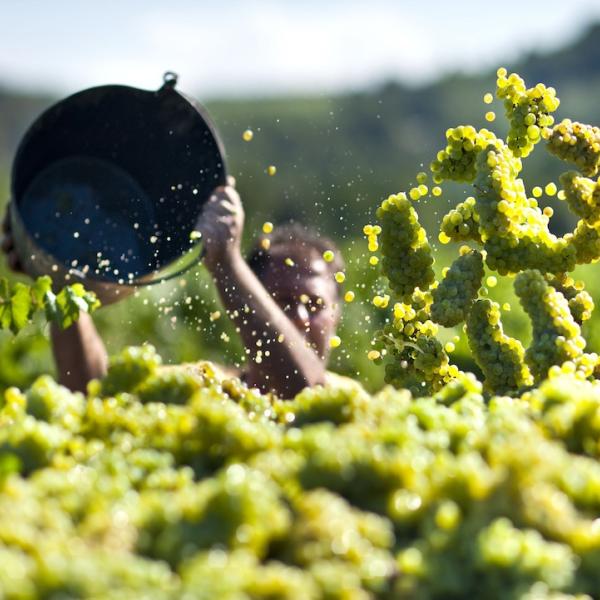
{"points": [[269, 47]]}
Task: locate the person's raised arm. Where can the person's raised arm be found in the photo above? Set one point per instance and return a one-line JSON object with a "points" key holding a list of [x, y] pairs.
{"points": [[79, 352], [287, 363]]}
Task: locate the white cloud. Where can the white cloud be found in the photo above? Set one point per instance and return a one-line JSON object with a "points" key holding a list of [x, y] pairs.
{"points": [[266, 46]]}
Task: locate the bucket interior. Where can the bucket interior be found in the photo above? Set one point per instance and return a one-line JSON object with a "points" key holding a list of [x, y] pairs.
{"points": [[111, 181]]}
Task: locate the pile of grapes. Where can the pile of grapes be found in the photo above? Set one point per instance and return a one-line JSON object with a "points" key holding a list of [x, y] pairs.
{"points": [[171, 482]]}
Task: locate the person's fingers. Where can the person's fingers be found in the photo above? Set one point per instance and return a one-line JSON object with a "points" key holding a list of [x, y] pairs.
{"points": [[231, 181]]}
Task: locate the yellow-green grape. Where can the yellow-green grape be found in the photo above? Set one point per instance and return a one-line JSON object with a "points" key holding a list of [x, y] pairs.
{"points": [[578, 144], [248, 135], [328, 256], [458, 289], [499, 356], [582, 196], [457, 161], [528, 111], [335, 341], [340, 276], [462, 222], [267, 227], [414, 193], [349, 296], [580, 302], [407, 259], [488, 98], [556, 335], [513, 229], [490, 116]]}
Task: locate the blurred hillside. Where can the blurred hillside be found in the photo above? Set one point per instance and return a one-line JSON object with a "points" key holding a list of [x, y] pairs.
{"points": [[336, 157]]}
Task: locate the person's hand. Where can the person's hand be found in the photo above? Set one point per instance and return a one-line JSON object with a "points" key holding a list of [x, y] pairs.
{"points": [[8, 244], [221, 225]]}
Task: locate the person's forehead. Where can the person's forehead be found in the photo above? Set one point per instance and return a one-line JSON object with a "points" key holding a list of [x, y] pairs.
{"points": [[308, 275]]}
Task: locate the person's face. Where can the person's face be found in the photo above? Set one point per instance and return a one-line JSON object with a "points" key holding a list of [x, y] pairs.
{"points": [[307, 294]]}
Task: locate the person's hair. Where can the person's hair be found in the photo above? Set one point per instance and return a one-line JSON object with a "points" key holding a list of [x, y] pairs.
{"points": [[298, 240]]}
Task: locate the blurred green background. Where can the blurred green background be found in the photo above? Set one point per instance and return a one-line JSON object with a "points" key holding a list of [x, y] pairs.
{"points": [[337, 157]]}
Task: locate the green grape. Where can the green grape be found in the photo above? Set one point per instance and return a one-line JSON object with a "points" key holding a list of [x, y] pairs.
{"points": [[582, 196], [407, 255], [578, 144], [556, 336], [528, 112], [462, 222], [500, 357], [457, 291]]}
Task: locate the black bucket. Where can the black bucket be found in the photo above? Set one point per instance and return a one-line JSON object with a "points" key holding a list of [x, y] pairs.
{"points": [[108, 184]]}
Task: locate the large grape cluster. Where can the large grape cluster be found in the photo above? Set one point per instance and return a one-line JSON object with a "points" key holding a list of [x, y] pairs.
{"points": [[528, 111], [513, 232], [500, 357], [513, 228], [215, 491], [578, 144], [458, 289], [406, 252], [556, 335]]}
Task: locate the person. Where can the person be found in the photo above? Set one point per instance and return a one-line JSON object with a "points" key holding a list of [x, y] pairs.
{"points": [[284, 302]]}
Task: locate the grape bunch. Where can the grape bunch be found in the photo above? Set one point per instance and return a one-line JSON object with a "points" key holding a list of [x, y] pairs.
{"points": [[512, 232], [527, 110], [406, 252], [456, 162], [580, 302], [458, 289], [578, 144], [556, 335], [461, 224], [500, 357], [513, 229], [582, 196]]}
